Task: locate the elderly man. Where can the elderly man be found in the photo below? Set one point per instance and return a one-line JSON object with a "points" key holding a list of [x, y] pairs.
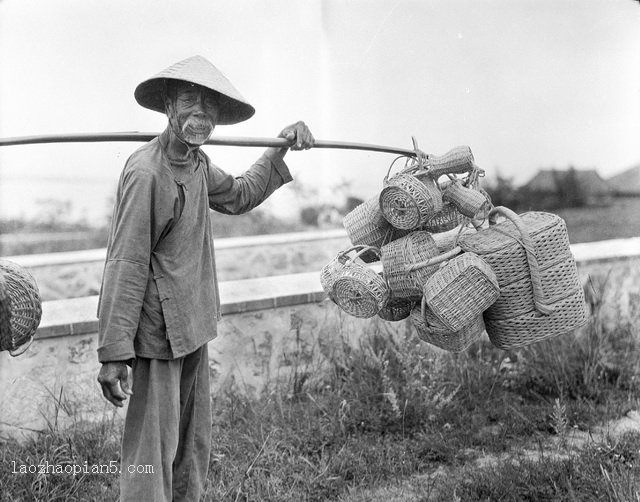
{"points": [[159, 301]]}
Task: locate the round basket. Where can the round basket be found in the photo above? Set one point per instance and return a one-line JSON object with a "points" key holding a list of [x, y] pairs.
{"points": [[354, 287], [540, 291], [461, 290], [25, 308], [400, 255], [5, 311], [410, 198], [430, 330], [396, 309], [365, 225]]}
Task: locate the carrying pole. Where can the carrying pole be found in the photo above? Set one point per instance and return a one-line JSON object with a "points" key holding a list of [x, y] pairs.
{"points": [[221, 140]]}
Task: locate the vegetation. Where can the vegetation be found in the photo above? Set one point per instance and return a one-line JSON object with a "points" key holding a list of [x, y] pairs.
{"points": [[394, 419]]}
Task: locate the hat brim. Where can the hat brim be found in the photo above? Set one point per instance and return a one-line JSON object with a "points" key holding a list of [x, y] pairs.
{"points": [[150, 94]]}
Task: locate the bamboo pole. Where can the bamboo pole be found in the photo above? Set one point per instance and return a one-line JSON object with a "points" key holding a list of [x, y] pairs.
{"points": [[220, 140]]}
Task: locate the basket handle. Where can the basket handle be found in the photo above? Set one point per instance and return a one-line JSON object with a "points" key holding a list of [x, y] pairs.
{"points": [[417, 168], [539, 298], [363, 250], [423, 308], [435, 260]]}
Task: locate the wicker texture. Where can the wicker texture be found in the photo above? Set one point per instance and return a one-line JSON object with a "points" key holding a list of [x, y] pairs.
{"points": [[409, 200], [396, 309], [533, 327], [458, 160], [5, 310], [397, 258], [532, 259], [461, 290], [501, 247], [446, 219], [557, 279], [365, 225], [25, 308], [354, 287], [467, 201], [430, 330], [446, 241]]}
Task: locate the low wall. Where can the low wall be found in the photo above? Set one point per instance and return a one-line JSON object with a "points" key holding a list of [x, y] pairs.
{"points": [[272, 328], [79, 273]]}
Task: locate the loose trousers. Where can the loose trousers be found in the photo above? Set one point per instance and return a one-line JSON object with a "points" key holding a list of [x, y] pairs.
{"points": [[167, 427]]}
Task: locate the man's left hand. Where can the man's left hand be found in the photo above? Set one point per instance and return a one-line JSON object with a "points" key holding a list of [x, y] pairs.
{"points": [[298, 135]]}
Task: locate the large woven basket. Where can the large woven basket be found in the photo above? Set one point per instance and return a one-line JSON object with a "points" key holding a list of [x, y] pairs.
{"points": [[399, 258], [429, 329], [352, 285], [365, 225], [540, 291], [461, 290], [19, 322]]}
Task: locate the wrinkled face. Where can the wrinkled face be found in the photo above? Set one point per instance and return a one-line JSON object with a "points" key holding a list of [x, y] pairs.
{"points": [[192, 112]]}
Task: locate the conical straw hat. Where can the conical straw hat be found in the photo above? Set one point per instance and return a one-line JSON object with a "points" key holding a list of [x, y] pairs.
{"points": [[196, 70]]}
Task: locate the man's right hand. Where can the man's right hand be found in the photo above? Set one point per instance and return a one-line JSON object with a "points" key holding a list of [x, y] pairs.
{"points": [[114, 380]]}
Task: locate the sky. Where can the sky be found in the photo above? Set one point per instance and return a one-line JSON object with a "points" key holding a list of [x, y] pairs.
{"points": [[527, 84]]}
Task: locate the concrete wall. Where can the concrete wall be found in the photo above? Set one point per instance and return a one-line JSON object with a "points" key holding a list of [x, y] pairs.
{"points": [[273, 328], [79, 273]]}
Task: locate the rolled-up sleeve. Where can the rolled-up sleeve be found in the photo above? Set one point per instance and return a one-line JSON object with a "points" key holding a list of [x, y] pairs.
{"points": [[237, 195], [127, 266]]}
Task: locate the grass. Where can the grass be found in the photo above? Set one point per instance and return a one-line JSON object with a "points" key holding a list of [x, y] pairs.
{"points": [[393, 419], [616, 221]]}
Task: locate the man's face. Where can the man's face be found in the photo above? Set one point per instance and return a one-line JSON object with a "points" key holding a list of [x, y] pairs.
{"points": [[192, 112]]}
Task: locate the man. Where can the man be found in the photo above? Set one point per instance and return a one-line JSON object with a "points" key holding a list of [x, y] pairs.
{"points": [[159, 301]]}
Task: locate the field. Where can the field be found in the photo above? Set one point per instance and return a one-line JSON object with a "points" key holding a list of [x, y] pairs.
{"points": [[618, 220]]}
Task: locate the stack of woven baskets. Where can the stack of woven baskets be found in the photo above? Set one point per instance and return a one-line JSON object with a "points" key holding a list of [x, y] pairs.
{"points": [[450, 266]]}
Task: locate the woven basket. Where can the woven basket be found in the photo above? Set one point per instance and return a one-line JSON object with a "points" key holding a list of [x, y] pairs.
{"points": [[501, 245], [25, 308], [467, 200], [448, 240], [533, 327], [331, 270], [444, 220], [365, 225], [396, 309], [354, 287], [461, 290], [429, 329], [540, 291], [458, 160], [410, 198], [400, 255], [5, 310]]}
